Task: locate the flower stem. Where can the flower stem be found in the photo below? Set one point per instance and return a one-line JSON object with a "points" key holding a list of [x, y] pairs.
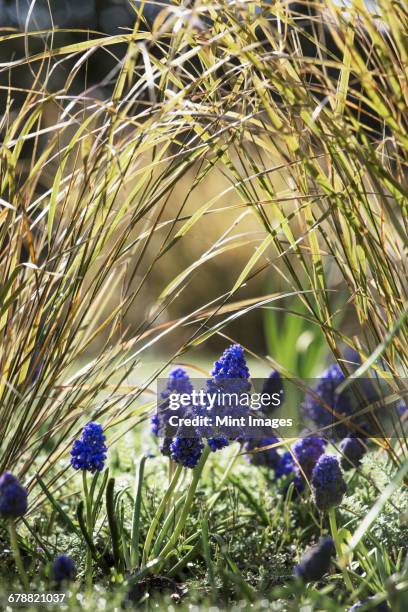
{"points": [[224, 478], [187, 504], [159, 512], [89, 525], [16, 553], [337, 544]]}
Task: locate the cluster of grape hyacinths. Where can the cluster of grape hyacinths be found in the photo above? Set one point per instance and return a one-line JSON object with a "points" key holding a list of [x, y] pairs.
{"points": [[352, 451], [89, 452], [183, 446], [328, 483], [63, 570], [315, 563]]}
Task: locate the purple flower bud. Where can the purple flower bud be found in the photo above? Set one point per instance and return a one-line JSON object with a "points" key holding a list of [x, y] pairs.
{"points": [[63, 569], [315, 563], [307, 451], [352, 451], [89, 452], [327, 482], [13, 497]]}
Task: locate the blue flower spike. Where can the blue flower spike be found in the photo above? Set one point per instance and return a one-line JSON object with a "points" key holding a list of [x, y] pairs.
{"points": [[63, 569], [13, 504], [13, 497], [307, 452], [326, 389], [285, 466], [315, 563], [268, 458], [230, 375], [89, 452], [273, 385], [178, 382], [327, 483], [186, 451], [183, 449], [352, 451], [231, 366]]}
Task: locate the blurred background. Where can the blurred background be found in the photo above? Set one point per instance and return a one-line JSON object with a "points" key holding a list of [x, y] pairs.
{"points": [[220, 244]]}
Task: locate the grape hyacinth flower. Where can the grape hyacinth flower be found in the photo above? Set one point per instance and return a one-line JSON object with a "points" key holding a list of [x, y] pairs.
{"points": [[183, 446], [186, 451], [326, 390], [231, 366], [352, 450], [307, 451], [272, 385], [401, 407], [315, 563], [339, 404], [229, 376], [63, 569], [329, 487], [179, 383], [327, 482], [217, 443], [89, 452], [165, 446], [285, 465], [13, 497], [269, 457], [13, 504]]}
